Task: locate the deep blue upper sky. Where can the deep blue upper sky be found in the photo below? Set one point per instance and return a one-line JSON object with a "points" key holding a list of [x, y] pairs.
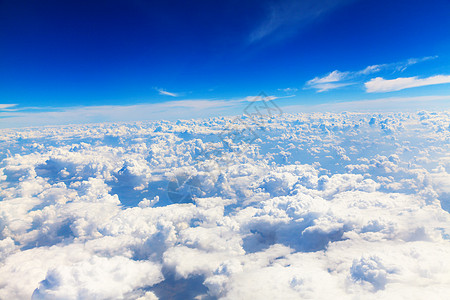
{"points": [[66, 53]]}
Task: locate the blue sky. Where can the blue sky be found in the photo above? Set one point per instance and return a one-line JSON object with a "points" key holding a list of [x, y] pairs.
{"points": [[56, 55]]}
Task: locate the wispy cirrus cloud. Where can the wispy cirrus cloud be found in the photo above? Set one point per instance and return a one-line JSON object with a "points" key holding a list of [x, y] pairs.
{"points": [[331, 81], [166, 93], [381, 85], [6, 106], [286, 17], [395, 67], [337, 79], [288, 90]]}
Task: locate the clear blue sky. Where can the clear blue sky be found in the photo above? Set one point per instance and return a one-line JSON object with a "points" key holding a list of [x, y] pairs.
{"points": [[67, 53]]}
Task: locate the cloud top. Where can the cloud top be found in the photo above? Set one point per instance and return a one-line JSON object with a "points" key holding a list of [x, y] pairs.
{"points": [[306, 206]]}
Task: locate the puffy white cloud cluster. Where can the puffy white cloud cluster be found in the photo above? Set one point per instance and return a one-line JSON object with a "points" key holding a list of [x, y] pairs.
{"points": [[307, 206]]}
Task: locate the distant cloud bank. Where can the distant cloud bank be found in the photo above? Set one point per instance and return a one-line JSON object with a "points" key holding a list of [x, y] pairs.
{"points": [[199, 108]]}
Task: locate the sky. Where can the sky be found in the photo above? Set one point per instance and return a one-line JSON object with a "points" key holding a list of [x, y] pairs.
{"points": [[331, 204], [76, 56]]}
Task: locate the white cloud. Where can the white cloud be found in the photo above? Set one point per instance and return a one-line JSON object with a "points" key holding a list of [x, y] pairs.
{"points": [[323, 87], [329, 81], [331, 77], [98, 278], [320, 205], [333, 80], [337, 79], [397, 67], [6, 106], [371, 69], [166, 93], [379, 84], [288, 90], [259, 98]]}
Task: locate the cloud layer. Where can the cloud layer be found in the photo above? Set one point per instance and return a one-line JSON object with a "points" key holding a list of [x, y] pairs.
{"points": [[318, 205]]}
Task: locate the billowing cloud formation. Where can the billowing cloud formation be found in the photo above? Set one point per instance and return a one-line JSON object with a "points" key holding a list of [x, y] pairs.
{"points": [[379, 84], [315, 206]]}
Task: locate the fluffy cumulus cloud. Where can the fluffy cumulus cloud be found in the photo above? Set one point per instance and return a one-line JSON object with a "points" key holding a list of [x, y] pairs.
{"points": [[304, 206]]}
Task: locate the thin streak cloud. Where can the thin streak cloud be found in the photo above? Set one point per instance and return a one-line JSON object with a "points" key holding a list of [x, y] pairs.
{"points": [[6, 106], [285, 18], [166, 93], [381, 85], [337, 79]]}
